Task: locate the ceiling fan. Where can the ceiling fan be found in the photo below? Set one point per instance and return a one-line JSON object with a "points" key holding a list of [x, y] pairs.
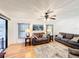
{"points": [[48, 16]]}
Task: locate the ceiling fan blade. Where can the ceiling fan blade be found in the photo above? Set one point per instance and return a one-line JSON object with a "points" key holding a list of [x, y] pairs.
{"points": [[50, 12], [54, 15], [53, 18], [41, 18]]}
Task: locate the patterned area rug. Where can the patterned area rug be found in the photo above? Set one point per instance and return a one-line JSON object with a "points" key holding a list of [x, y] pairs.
{"points": [[50, 51]]}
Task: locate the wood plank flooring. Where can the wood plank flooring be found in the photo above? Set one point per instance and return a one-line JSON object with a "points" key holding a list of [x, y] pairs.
{"points": [[20, 51]]}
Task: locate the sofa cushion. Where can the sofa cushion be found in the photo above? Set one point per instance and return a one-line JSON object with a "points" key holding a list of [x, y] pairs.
{"points": [[60, 36], [69, 36], [73, 43], [65, 39], [44, 35], [63, 34], [39, 35]]}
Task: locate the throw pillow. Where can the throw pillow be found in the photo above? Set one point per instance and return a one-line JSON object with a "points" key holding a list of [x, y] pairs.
{"points": [[44, 35], [60, 36], [69, 36], [48, 35], [75, 39]]}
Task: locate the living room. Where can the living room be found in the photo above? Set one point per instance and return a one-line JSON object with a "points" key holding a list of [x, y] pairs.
{"points": [[47, 17]]}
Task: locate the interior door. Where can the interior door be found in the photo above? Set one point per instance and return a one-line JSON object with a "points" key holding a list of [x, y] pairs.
{"points": [[3, 33], [49, 29]]}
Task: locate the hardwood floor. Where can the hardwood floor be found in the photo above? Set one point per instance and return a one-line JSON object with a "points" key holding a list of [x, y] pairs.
{"points": [[20, 51]]}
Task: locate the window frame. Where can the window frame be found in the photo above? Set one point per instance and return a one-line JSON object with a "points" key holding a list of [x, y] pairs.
{"points": [[20, 30]]}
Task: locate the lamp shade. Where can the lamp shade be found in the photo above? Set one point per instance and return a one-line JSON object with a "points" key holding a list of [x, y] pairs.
{"points": [[28, 31]]}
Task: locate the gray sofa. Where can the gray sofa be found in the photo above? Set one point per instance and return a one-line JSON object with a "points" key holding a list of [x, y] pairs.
{"points": [[66, 39]]}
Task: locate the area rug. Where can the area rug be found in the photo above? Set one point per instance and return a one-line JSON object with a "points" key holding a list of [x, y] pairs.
{"points": [[50, 51]]}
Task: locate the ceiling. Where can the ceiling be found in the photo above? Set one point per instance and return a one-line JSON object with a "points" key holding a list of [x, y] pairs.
{"points": [[36, 8]]}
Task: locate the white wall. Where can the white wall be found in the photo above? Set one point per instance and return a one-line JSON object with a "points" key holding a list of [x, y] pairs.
{"points": [[13, 28], [68, 25]]}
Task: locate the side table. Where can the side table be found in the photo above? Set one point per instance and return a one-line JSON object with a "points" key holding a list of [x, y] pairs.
{"points": [[51, 38], [27, 41]]}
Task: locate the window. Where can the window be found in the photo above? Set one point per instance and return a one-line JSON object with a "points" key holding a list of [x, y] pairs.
{"points": [[21, 29], [3, 33], [49, 29]]}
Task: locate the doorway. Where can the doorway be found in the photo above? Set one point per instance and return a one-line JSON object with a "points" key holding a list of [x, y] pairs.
{"points": [[49, 29], [3, 33]]}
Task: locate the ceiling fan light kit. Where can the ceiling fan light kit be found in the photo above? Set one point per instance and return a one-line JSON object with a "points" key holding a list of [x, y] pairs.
{"points": [[53, 18], [47, 15]]}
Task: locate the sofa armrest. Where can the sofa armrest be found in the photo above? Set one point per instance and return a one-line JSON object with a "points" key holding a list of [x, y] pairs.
{"points": [[73, 51]]}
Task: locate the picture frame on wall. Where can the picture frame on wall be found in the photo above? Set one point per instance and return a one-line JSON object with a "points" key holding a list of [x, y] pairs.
{"points": [[38, 27]]}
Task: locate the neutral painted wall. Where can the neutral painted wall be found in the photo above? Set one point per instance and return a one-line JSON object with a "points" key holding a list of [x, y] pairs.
{"points": [[13, 28], [68, 25]]}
